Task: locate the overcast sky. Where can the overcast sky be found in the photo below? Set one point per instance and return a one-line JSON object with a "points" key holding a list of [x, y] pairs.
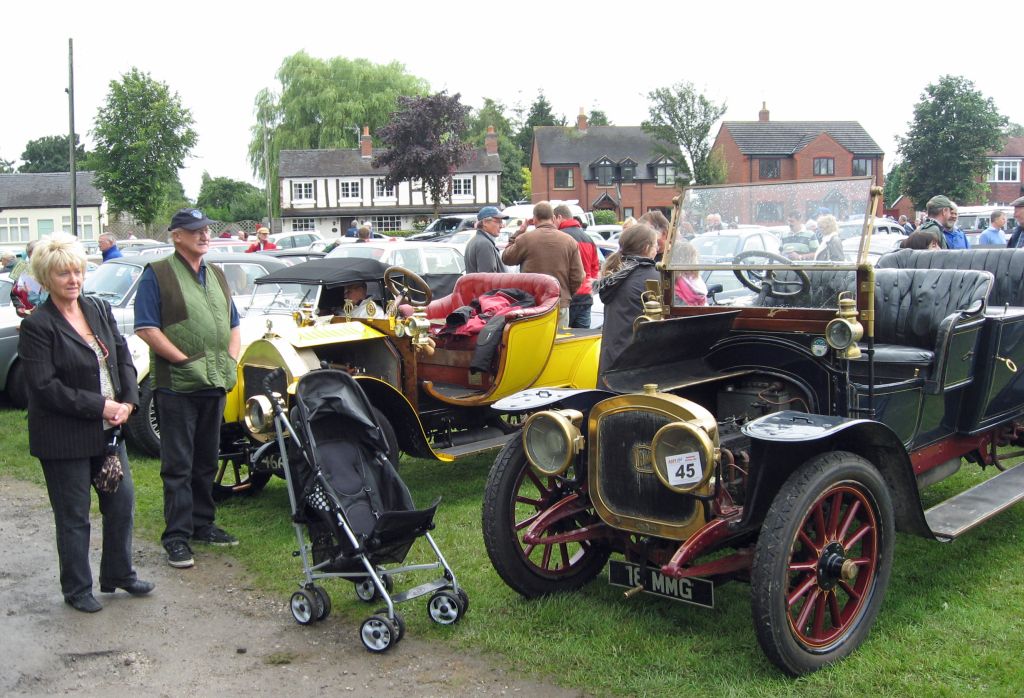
{"points": [[868, 61]]}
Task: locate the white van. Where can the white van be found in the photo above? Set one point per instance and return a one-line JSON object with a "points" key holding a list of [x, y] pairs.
{"points": [[517, 213]]}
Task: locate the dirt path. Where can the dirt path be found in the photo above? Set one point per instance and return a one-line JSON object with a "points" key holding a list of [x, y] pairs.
{"points": [[203, 631]]}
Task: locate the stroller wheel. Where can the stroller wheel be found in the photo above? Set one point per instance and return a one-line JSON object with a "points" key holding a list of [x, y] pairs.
{"points": [[444, 608], [325, 602], [378, 633], [305, 607], [367, 591], [464, 598], [399, 622]]}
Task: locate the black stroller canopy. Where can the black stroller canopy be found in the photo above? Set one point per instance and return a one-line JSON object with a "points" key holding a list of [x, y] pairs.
{"points": [[327, 394]]}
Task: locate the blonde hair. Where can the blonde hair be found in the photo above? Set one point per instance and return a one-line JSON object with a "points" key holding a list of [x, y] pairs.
{"points": [[684, 252], [827, 224], [56, 252], [629, 222]]}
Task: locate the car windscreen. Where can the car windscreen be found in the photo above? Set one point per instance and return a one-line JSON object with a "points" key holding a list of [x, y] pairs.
{"points": [[281, 298], [811, 274], [112, 282]]}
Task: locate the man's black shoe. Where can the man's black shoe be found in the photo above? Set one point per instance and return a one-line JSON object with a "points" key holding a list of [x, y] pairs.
{"points": [[86, 603], [179, 554], [215, 536], [136, 588]]}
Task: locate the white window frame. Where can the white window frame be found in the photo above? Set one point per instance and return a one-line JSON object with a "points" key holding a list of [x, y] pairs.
{"points": [[462, 186], [349, 189], [15, 229], [85, 227], [303, 191], [382, 192], [301, 225], [1004, 170], [386, 224]]}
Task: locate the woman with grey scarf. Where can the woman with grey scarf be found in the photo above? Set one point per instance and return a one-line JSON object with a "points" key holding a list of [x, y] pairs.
{"points": [[622, 283]]}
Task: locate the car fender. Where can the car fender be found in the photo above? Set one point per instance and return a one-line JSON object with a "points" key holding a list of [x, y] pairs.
{"points": [[139, 351], [540, 398], [412, 439], [782, 441]]}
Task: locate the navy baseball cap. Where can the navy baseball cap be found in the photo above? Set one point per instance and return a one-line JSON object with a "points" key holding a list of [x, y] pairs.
{"points": [[490, 212], [189, 219]]}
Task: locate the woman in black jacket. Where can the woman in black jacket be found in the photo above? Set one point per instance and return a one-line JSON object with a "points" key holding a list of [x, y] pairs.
{"points": [[82, 385], [622, 283]]}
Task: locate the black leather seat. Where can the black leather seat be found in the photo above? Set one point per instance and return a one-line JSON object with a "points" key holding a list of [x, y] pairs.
{"points": [[916, 313], [1005, 265]]}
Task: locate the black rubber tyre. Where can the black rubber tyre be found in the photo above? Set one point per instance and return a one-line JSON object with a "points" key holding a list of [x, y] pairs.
{"points": [[464, 599], [324, 599], [17, 389], [399, 622], [389, 436], [822, 562], [444, 607], [378, 633], [142, 429], [514, 494], [305, 607], [366, 590]]}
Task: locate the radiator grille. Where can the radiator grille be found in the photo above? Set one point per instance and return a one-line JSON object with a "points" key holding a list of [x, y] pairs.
{"points": [[253, 377], [625, 479]]}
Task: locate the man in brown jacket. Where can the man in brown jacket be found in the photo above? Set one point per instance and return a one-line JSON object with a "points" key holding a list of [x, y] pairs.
{"points": [[546, 250]]}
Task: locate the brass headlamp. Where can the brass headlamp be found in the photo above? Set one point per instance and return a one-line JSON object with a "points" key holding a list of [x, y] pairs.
{"points": [[843, 333]]}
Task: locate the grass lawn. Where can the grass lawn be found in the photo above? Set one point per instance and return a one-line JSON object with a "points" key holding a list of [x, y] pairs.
{"points": [[952, 623]]}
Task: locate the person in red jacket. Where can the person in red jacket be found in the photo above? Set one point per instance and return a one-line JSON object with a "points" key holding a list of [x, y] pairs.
{"points": [[582, 301], [262, 241]]}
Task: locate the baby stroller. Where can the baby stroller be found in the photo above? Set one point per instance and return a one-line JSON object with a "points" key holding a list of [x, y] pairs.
{"points": [[358, 512]]}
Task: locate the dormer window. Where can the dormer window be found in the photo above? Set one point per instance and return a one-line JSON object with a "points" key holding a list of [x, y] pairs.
{"points": [[604, 172], [665, 173], [627, 171]]}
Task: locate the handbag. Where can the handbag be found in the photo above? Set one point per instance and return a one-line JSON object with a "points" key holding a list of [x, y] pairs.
{"points": [[111, 472]]}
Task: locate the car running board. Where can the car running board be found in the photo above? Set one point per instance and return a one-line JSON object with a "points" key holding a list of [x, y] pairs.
{"points": [[975, 506], [476, 446]]}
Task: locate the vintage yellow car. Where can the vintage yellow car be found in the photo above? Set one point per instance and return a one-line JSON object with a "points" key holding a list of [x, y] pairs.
{"points": [[430, 384]]}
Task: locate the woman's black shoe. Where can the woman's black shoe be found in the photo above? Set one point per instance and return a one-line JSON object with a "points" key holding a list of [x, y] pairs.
{"points": [[85, 604], [136, 588]]}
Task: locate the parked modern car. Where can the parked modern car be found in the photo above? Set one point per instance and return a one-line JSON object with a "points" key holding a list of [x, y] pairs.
{"points": [[295, 239], [781, 444], [12, 379], [446, 225], [723, 245], [439, 263]]}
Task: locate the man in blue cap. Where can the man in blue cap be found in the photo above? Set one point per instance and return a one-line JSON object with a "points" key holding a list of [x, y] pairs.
{"points": [[184, 312], [481, 252]]}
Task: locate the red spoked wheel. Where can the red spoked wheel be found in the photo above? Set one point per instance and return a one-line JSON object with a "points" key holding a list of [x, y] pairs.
{"points": [[542, 536], [822, 562]]}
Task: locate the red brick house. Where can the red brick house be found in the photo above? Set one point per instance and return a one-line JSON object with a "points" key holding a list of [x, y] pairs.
{"points": [[1004, 177], [615, 168], [765, 150]]}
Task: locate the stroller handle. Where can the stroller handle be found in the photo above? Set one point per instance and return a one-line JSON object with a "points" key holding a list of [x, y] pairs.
{"points": [[270, 378]]}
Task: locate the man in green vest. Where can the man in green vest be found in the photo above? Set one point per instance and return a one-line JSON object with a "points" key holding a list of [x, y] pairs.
{"points": [[184, 312]]}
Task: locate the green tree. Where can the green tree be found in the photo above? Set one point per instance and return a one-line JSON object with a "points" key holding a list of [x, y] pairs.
{"points": [[425, 142], [945, 150], [540, 114], [6, 166], [893, 184], [324, 104], [493, 113], [50, 154], [228, 200], [604, 217], [598, 118], [1013, 130], [143, 135], [682, 119]]}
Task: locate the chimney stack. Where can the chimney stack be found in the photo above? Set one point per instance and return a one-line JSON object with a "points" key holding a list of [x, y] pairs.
{"points": [[491, 141], [581, 121], [366, 144], [763, 114]]}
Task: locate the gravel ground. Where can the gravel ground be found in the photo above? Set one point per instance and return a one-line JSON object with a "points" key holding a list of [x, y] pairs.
{"points": [[203, 631]]}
